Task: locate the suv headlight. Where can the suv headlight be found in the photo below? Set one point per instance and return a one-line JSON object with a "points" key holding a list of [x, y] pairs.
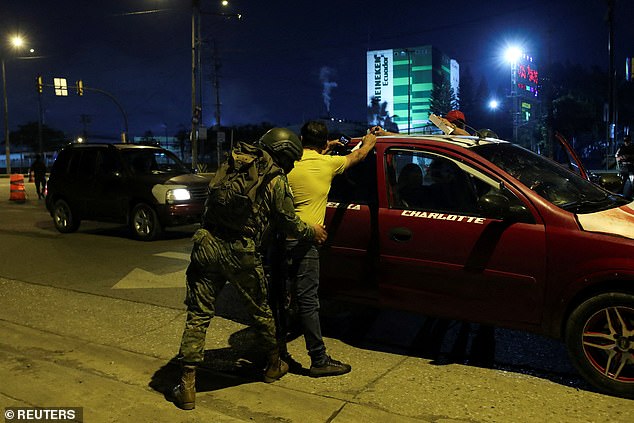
{"points": [[176, 195]]}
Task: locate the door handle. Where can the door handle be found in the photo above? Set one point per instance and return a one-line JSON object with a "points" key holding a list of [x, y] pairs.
{"points": [[400, 234]]}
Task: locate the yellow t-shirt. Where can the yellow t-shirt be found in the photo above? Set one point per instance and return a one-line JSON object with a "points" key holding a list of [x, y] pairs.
{"points": [[310, 182]]}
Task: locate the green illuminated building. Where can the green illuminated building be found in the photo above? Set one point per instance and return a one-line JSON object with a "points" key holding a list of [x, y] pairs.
{"points": [[400, 82]]}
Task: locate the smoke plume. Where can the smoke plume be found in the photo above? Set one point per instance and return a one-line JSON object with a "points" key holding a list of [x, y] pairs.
{"points": [[325, 76]]}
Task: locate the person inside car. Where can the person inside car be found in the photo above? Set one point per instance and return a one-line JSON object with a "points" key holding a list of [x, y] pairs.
{"points": [[410, 186]]}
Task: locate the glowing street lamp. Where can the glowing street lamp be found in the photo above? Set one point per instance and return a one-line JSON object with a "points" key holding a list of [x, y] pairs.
{"points": [[512, 54], [493, 104]]}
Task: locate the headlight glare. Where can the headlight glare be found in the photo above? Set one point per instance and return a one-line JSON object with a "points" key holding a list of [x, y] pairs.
{"points": [[178, 194]]}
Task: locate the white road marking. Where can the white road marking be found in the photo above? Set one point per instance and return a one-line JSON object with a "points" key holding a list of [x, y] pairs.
{"points": [[143, 279]]}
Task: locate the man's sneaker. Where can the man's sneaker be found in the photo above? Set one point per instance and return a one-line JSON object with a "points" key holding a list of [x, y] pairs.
{"points": [[329, 367]]}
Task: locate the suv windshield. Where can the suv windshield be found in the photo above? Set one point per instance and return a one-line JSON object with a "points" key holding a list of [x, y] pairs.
{"points": [[144, 161], [550, 180]]}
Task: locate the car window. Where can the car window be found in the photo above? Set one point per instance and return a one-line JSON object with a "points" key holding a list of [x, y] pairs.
{"points": [[431, 182], [143, 161], [108, 163], [551, 181], [83, 163], [357, 184], [62, 161]]}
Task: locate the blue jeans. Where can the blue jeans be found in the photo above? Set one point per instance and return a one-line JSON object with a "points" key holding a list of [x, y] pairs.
{"points": [[303, 275]]}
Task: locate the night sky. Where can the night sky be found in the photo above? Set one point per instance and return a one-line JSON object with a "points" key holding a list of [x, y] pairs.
{"points": [[276, 60]]}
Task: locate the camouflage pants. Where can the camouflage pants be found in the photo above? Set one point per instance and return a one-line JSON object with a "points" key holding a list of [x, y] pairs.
{"points": [[213, 263]]}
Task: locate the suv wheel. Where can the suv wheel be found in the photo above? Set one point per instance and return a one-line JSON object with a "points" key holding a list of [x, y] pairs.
{"points": [[600, 340], [144, 223], [64, 218]]}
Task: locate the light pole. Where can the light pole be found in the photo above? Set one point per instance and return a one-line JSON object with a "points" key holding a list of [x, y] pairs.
{"points": [[16, 43], [196, 41], [6, 117], [512, 56], [193, 136], [611, 121]]}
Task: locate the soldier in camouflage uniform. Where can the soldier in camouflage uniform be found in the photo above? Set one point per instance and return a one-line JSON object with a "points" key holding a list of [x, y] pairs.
{"points": [[223, 254]]}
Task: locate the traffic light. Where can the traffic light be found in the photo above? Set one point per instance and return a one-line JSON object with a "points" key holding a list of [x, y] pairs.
{"points": [[40, 86], [80, 87]]}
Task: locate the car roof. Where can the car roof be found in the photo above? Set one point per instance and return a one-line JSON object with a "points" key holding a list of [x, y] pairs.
{"points": [[447, 140]]}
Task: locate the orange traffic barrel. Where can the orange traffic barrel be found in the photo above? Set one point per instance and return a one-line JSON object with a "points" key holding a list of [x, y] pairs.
{"points": [[18, 192]]}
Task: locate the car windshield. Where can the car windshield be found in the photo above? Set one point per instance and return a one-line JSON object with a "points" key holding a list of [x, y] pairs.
{"points": [[144, 161], [550, 180]]}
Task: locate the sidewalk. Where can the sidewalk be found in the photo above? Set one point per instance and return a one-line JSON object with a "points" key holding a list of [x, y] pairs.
{"points": [[113, 358]]}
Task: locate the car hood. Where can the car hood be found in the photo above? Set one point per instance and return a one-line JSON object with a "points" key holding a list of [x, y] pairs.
{"points": [[616, 221], [187, 179]]}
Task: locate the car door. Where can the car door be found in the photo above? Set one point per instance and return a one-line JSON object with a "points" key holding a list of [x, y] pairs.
{"points": [[109, 194], [442, 256], [80, 180], [349, 256]]}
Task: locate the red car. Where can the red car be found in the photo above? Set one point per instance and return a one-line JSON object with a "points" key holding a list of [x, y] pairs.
{"points": [[485, 231]]}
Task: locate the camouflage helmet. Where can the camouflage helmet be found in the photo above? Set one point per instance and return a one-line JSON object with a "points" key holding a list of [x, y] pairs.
{"points": [[284, 146]]}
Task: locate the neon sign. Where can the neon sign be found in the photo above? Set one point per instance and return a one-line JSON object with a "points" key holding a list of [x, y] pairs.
{"points": [[527, 76]]}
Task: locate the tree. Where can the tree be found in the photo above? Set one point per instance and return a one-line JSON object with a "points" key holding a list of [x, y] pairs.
{"points": [[467, 98], [443, 98], [27, 136], [378, 115], [182, 136], [480, 103]]}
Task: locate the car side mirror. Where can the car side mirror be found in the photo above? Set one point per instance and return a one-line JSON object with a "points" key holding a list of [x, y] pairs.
{"points": [[495, 205], [610, 181]]}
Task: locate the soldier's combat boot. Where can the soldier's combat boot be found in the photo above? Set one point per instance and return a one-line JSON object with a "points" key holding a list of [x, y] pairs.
{"points": [[275, 368], [185, 392]]}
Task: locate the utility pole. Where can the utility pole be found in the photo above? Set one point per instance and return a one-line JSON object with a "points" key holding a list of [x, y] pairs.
{"points": [[409, 91], [40, 119], [217, 67], [85, 121], [6, 116], [195, 39], [611, 121], [220, 135]]}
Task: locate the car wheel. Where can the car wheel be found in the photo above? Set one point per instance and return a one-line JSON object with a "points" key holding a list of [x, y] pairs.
{"points": [[144, 223], [64, 218], [600, 341]]}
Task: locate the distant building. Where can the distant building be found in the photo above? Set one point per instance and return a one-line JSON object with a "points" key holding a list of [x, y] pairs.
{"points": [[400, 82], [525, 86]]}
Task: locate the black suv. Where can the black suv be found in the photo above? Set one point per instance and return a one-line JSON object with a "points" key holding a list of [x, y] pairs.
{"points": [[145, 187]]}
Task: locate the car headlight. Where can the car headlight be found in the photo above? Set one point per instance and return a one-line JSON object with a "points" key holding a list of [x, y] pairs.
{"points": [[178, 194]]}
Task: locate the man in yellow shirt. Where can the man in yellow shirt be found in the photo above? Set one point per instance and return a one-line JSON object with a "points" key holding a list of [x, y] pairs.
{"points": [[310, 183]]}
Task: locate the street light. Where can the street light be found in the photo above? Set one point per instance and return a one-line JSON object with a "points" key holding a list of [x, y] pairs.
{"points": [[16, 42], [196, 78]]}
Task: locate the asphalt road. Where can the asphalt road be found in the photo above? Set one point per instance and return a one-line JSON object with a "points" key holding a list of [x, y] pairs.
{"points": [[102, 261]]}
